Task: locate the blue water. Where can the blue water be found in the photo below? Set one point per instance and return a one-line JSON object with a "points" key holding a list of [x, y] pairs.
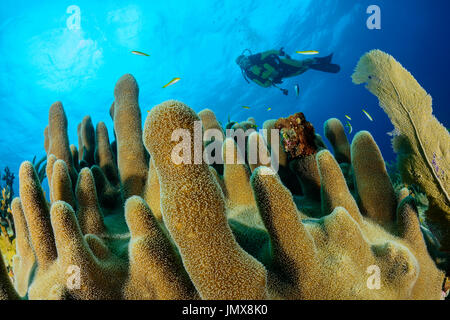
{"points": [[42, 61]]}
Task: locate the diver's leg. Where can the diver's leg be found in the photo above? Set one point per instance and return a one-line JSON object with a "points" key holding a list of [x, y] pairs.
{"points": [[292, 68]]}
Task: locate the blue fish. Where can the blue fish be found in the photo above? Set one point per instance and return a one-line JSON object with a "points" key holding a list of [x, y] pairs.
{"points": [[297, 90]]}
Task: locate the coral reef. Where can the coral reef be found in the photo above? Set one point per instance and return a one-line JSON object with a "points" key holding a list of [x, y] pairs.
{"points": [[422, 143], [133, 224]]}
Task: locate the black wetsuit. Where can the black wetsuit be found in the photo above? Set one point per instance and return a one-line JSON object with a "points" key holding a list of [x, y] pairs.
{"points": [[268, 68]]}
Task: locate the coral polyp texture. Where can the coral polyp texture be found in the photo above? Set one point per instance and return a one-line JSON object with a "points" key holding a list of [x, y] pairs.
{"points": [[125, 221]]}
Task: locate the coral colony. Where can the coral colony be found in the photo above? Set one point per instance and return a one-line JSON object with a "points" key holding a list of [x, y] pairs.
{"points": [[123, 220]]}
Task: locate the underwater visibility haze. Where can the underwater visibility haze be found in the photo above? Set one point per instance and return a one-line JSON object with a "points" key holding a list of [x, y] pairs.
{"points": [[124, 63]]}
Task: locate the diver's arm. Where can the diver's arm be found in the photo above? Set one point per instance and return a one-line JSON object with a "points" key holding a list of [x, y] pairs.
{"points": [[265, 83]]}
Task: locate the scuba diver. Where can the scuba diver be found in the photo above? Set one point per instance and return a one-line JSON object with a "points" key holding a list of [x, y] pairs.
{"points": [[268, 68]]}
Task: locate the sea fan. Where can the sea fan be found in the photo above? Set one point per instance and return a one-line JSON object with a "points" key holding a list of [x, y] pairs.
{"points": [[423, 142]]}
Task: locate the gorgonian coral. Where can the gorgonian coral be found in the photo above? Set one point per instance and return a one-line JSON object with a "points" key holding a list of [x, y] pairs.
{"points": [[422, 143], [127, 222]]}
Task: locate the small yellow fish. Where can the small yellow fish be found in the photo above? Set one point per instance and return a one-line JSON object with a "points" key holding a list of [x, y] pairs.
{"points": [[308, 52], [171, 82], [349, 126], [368, 115], [245, 107], [268, 109], [139, 53], [348, 117]]}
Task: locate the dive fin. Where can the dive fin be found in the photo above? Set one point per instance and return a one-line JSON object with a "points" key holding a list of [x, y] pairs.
{"points": [[326, 67], [324, 64], [324, 60]]}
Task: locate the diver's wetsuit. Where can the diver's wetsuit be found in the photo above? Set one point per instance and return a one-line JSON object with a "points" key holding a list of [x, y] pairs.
{"points": [[267, 68]]}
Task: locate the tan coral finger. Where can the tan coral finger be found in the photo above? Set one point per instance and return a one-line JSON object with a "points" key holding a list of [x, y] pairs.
{"points": [[74, 151], [408, 221], [334, 131], [46, 140], [131, 158], [62, 184], [110, 196], [89, 213], [88, 139], [37, 215], [209, 120], [51, 159], [236, 175], [59, 140], [377, 196], [72, 248], [23, 249], [151, 195], [151, 251], [154, 267], [334, 189], [276, 148], [257, 152], [194, 213], [291, 242], [103, 154]]}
